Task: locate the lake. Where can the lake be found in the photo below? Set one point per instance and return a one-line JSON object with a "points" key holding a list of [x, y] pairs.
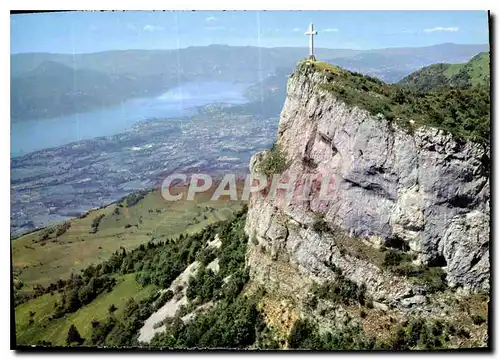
{"points": [[31, 135]]}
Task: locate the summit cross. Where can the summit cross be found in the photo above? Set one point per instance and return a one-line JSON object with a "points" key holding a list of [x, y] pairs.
{"points": [[311, 32]]}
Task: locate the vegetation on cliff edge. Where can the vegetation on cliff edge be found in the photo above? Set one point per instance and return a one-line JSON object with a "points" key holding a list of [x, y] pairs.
{"points": [[465, 113], [274, 161]]}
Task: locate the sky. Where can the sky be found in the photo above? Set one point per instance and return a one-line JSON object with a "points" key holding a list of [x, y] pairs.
{"points": [[86, 32]]}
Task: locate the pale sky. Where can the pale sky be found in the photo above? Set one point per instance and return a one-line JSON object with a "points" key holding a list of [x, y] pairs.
{"points": [[84, 32]]}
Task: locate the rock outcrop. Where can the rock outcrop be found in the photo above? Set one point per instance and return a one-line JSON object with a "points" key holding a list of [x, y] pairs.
{"points": [[423, 191]]}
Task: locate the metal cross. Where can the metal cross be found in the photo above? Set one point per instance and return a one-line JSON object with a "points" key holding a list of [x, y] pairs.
{"points": [[311, 33]]}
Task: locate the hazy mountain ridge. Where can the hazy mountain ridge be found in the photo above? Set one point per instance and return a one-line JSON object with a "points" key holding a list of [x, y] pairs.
{"points": [[53, 89], [121, 75]]}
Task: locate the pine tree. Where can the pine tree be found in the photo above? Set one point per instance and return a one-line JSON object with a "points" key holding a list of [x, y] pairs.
{"points": [[112, 308], [73, 336]]}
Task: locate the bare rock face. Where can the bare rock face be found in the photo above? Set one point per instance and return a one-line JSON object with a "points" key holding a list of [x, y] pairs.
{"points": [[423, 190]]}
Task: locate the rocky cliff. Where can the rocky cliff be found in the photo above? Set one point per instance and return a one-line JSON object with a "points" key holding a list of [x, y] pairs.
{"points": [[419, 191]]}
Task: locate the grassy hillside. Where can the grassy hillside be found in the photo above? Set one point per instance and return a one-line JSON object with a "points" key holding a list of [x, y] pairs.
{"points": [[112, 315], [42, 328], [475, 72], [39, 259], [60, 252]]}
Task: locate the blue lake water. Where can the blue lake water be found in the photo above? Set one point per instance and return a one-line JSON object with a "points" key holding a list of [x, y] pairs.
{"points": [[32, 135]]}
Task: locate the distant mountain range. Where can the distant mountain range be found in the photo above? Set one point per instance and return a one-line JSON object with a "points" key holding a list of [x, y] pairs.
{"points": [[53, 89], [475, 72], [45, 85]]}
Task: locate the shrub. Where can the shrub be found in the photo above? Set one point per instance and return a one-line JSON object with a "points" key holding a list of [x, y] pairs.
{"points": [[274, 161], [319, 224], [369, 303], [419, 333], [78, 291], [61, 229], [266, 340], [112, 308], [304, 335], [132, 199], [451, 329], [309, 162], [228, 325], [164, 298], [336, 270], [44, 235], [311, 302], [341, 290], [95, 223], [43, 343], [434, 279], [394, 258], [101, 331], [207, 255], [463, 333], [478, 319], [18, 284], [73, 336], [235, 284]]}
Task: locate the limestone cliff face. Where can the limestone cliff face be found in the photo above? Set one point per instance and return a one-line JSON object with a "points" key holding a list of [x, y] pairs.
{"points": [[423, 190]]}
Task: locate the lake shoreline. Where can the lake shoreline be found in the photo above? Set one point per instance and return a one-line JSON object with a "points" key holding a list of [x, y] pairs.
{"points": [[56, 184], [32, 135]]}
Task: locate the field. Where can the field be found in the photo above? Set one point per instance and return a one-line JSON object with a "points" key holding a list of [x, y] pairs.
{"points": [[43, 257], [56, 331], [37, 261]]}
